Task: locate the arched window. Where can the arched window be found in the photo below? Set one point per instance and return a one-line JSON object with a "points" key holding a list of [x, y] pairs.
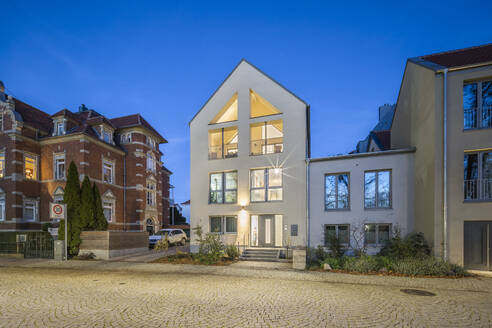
{"points": [[108, 204], [58, 195]]}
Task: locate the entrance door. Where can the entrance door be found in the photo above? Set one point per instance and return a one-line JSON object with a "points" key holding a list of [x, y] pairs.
{"points": [[150, 227], [266, 231], [478, 245]]}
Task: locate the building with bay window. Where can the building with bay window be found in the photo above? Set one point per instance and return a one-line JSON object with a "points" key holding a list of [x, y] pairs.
{"points": [[120, 155]]}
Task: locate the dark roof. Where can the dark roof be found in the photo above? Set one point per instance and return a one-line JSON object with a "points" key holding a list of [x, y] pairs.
{"points": [[382, 139], [461, 57], [167, 170], [66, 113], [33, 116], [134, 120]]}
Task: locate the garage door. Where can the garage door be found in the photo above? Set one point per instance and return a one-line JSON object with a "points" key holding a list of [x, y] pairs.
{"points": [[478, 244]]}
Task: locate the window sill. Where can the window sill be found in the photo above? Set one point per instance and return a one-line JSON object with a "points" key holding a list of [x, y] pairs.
{"points": [[377, 208], [266, 201], [280, 152], [471, 201], [223, 203], [218, 158], [337, 209], [477, 129]]}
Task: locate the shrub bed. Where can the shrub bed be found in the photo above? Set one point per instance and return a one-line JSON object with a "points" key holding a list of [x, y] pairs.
{"points": [[187, 258]]}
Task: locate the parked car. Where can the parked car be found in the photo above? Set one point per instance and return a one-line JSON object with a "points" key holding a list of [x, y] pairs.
{"points": [[174, 236]]}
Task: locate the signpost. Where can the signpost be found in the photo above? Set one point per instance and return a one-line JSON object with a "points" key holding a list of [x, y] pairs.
{"points": [[59, 211]]}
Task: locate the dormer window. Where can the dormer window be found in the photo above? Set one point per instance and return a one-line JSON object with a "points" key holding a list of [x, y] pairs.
{"points": [[126, 138], [106, 136], [60, 128]]}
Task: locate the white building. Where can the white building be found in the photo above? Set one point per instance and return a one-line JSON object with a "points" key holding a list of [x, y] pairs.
{"points": [[249, 145], [361, 198]]}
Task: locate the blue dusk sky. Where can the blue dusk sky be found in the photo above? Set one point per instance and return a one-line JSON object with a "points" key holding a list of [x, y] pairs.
{"points": [[164, 59]]}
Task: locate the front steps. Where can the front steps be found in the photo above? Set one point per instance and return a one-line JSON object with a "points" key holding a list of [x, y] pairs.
{"points": [[260, 254]]}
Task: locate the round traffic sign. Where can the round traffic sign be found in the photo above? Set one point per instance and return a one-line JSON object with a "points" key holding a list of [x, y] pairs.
{"points": [[58, 209]]}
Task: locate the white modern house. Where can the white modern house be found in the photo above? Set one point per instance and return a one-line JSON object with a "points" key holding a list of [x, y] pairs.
{"points": [[361, 198], [249, 146]]}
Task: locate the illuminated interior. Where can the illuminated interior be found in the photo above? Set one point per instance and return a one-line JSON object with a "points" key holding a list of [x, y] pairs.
{"points": [[267, 137], [228, 113], [260, 106], [222, 143]]}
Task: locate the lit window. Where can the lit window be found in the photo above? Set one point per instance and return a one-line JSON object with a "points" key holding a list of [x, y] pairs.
{"points": [[376, 234], [228, 113], [377, 189], [108, 168], [222, 143], [223, 188], [108, 209], [266, 185], [151, 194], [337, 191], [59, 167], [267, 137], [60, 128], [31, 167], [2, 165], [30, 210], [260, 106]]}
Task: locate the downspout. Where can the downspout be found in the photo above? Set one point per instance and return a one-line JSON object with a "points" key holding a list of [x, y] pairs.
{"points": [[124, 191], [445, 166], [308, 198]]}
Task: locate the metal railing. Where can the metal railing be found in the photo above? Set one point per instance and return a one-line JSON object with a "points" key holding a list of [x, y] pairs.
{"points": [[478, 189], [267, 146], [226, 151]]}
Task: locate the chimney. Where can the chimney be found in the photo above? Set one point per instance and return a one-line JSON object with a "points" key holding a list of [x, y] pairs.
{"points": [[83, 108]]}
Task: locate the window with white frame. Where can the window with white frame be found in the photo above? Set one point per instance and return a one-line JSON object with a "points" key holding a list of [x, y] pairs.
{"points": [[337, 195], [2, 206], [30, 210], [223, 224], [108, 171], [151, 162], [151, 193], [60, 128], [223, 188], [108, 209], [59, 166], [126, 138], [107, 136], [340, 231], [377, 233], [2, 164], [377, 189], [266, 185], [31, 167]]}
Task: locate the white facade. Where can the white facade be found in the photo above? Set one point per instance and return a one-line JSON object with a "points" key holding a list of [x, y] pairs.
{"points": [[222, 147], [356, 216]]}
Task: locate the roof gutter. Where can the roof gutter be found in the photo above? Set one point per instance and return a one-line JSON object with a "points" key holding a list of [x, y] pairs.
{"points": [[445, 165]]}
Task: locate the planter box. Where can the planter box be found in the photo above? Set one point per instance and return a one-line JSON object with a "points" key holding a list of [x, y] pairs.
{"points": [[108, 244]]}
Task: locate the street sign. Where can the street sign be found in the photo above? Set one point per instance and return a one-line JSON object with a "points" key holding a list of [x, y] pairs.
{"points": [[57, 211]]}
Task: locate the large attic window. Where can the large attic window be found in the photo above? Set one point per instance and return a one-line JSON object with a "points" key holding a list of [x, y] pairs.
{"points": [[260, 106], [228, 113]]}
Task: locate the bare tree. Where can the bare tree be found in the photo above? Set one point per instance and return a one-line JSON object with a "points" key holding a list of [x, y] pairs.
{"points": [[358, 242]]}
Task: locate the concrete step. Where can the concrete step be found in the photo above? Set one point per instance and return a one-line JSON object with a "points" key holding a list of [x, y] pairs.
{"points": [[262, 255], [259, 259]]}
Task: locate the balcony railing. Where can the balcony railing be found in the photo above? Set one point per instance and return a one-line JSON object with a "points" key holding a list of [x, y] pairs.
{"points": [[226, 151], [478, 189], [472, 119], [267, 146]]}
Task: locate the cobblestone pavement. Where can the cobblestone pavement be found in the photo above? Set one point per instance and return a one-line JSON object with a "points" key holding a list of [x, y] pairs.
{"points": [[111, 294]]}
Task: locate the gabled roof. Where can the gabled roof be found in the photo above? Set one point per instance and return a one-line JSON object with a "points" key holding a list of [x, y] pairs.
{"points": [[134, 120], [456, 58], [232, 72], [33, 116]]}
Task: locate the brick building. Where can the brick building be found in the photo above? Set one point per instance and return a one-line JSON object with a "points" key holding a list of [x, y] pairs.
{"points": [[121, 155]]}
